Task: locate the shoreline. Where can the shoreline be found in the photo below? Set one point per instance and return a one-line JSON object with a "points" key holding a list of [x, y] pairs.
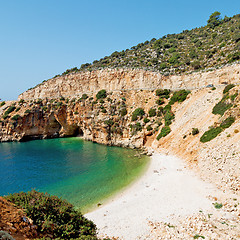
{"points": [[166, 180]]}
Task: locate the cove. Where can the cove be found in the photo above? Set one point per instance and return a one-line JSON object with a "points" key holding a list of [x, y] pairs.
{"points": [[82, 172]]}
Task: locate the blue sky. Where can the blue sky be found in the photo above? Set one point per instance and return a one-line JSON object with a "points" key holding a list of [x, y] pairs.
{"points": [[40, 39]]}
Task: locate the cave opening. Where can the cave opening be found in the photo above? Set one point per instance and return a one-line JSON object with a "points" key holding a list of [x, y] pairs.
{"points": [[78, 132]]}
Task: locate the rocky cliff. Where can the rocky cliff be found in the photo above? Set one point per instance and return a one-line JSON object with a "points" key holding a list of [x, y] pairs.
{"points": [[76, 84], [172, 122]]}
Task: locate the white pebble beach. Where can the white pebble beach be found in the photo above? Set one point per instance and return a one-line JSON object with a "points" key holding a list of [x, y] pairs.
{"points": [[166, 192]]}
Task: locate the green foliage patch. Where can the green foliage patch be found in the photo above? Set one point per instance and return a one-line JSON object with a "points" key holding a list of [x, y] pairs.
{"points": [[164, 132], [227, 122], [123, 112], [164, 93], [101, 94], [221, 107], [137, 112], [228, 87], [168, 117], [2, 103], [195, 131], [179, 96], [152, 112], [54, 216], [210, 134], [15, 117]]}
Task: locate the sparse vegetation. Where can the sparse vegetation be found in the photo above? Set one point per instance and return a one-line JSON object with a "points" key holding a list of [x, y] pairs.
{"points": [[163, 93], [164, 132], [227, 88], [179, 96], [210, 134], [149, 128], [152, 112], [221, 107], [217, 205], [227, 122], [101, 94], [123, 112], [195, 131], [54, 216], [27, 111], [136, 128], [2, 103], [139, 112], [15, 117], [146, 120]]}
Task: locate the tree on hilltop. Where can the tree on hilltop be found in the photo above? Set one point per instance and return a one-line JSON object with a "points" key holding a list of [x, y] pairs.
{"points": [[214, 19]]}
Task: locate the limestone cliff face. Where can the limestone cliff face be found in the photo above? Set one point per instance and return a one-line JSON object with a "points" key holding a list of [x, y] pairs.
{"points": [[75, 84]]}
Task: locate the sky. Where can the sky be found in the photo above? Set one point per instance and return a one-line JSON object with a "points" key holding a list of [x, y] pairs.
{"points": [[42, 38]]}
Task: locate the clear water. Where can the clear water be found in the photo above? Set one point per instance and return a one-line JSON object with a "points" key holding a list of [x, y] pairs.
{"points": [[82, 172]]}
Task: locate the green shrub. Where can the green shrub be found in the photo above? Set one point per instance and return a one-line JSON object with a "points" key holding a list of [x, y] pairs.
{"points": [[168, 107], [27, 111], [152, 112], [104, 110], [17, 109], [53, 216], [39, 101], [217, 205], [228, 87], [164, 93], [198, 236], [227, 122], [210, 134], [10, 109], [101, 94], [221, 107], [179, 96], [232, 97], [136, 127], [109, 122], [195, 131], [160, 101], [168, 117], [164, 132], [21, 101], [2, 103], [137, 112], [149, 128], [15, 117], [5, 116], [123, 112], [146, 120], [59, 104], [84, 96]]}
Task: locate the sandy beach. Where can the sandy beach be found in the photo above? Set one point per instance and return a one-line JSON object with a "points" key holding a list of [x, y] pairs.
{"points": [[167, 192]]}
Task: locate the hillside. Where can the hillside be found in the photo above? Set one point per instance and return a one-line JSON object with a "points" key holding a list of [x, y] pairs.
{"points": [[213, 45]]}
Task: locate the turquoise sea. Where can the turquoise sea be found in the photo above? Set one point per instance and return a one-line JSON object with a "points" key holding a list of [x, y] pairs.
{"points": [[82, 172]]}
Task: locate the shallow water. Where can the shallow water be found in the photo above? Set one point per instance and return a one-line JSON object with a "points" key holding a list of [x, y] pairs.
{"points": [[82, 172]]}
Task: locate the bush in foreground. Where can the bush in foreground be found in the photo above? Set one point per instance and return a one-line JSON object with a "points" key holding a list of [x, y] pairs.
{"points": [[54, 216]]}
